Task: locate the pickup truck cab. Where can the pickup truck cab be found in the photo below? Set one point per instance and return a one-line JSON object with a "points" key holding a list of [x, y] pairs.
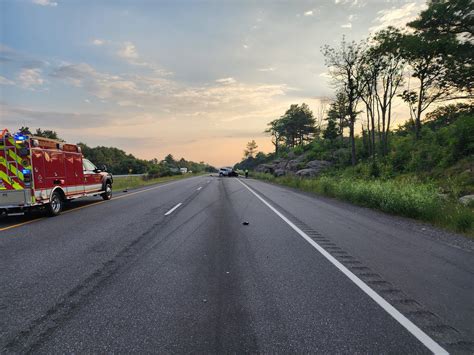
{"points": [[227, 172]]}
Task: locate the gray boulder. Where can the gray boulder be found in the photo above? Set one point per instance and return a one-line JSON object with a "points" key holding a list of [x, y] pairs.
{"points": [[279, 172], [307, 172], [467, 200], [293, 165], [265, 168], [281, 164], [318, 164]]}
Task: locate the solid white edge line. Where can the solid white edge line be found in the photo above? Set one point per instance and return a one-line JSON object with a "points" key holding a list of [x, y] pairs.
{"points": [[173, 209], [424, 338]]}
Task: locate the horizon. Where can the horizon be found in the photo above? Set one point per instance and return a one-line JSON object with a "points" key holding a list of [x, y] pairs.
{"points": [[197, 80]]}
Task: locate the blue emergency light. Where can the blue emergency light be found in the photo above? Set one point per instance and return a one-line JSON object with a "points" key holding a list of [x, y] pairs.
{"points": [[26, 171], [20, 137]]}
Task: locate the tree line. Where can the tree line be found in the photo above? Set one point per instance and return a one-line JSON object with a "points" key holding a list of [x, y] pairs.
{"points": [[427, 63]]}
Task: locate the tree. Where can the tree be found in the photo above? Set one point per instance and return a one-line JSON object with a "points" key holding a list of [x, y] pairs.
{"points": [[276, 129], [422, 54], [446, 115], [444, 17], [47, 134], [451, 22], [170, 159], [251, 149], [382, 74], [24, 130], [40, 133], [370, 77], [298, 125], [345, 68], [331, 131], [336, 118]]}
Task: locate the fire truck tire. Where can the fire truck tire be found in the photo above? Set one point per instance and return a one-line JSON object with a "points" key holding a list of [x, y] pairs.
{"points": [[56, 205], [107, 195]]}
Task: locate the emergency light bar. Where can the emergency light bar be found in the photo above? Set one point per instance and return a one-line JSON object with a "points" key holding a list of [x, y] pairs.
{"points": [[20, 137]]}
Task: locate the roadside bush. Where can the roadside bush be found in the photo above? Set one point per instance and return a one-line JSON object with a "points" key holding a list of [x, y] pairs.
{"points": [[403, 197], [462, 219]]}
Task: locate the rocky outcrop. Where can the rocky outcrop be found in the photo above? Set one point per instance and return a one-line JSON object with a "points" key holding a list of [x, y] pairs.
{"points": [[318, 165], [265, 168], [295, 165]]}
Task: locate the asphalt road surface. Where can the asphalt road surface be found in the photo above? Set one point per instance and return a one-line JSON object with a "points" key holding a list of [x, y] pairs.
{"points": [[227, 265]]}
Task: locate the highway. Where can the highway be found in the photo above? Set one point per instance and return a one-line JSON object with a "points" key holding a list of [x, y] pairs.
{"points": [[230, 265]]}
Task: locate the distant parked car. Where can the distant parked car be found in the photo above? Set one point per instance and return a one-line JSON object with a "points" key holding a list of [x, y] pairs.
{"points": [[227, 172]]}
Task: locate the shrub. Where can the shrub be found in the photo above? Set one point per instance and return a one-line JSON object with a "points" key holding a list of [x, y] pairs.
{"points": [[462, 219], [404, 197]]}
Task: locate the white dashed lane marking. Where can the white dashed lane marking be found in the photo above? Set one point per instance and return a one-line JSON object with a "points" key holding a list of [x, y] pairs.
{"points": [[173, 209]]}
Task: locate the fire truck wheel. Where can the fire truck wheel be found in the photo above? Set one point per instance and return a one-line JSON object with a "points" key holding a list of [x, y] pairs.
{"points": [[107, 195], [56, 204]]}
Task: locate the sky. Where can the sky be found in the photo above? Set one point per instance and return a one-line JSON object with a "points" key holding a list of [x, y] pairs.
{"points": [[197, 79]]}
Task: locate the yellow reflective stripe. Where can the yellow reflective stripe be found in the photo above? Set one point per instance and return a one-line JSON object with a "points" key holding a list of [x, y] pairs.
{"points": [[5, 178], [12, 153], [14, 170], [14, 156], [12, 142]]}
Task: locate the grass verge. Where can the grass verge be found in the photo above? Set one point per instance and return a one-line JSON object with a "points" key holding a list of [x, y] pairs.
{"points": [[404, 198], [131, 182]]}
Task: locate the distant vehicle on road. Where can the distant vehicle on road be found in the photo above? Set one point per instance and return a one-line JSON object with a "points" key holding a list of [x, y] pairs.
{"points": [[45, 173], [227, 172]]}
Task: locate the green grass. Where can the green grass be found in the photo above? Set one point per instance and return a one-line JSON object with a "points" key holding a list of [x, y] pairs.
{"points": [[133, 182], [406, 198]]}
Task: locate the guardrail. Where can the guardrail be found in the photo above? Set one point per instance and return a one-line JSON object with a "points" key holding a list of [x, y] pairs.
{"points": [[128, 175]]}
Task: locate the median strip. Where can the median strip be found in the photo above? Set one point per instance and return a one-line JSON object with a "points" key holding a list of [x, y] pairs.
{"points": [[173, 209], [424, 338]]}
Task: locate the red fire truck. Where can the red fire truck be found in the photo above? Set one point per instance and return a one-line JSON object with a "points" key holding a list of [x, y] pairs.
{"points": [[41, 172]]}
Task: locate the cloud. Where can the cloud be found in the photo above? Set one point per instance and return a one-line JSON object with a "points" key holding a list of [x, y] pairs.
{"points": [[128, 51], [268, 69], [226, 81], [98, 42], [104, 86], [71, 120], [224, 104], [30, 78], [5, 81], [45, 3], [351, 3], [309, 13], [56, 119], [350, 18], [246, 46], [233, 97], [397, 17], [325, 75], [8, 54]]}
